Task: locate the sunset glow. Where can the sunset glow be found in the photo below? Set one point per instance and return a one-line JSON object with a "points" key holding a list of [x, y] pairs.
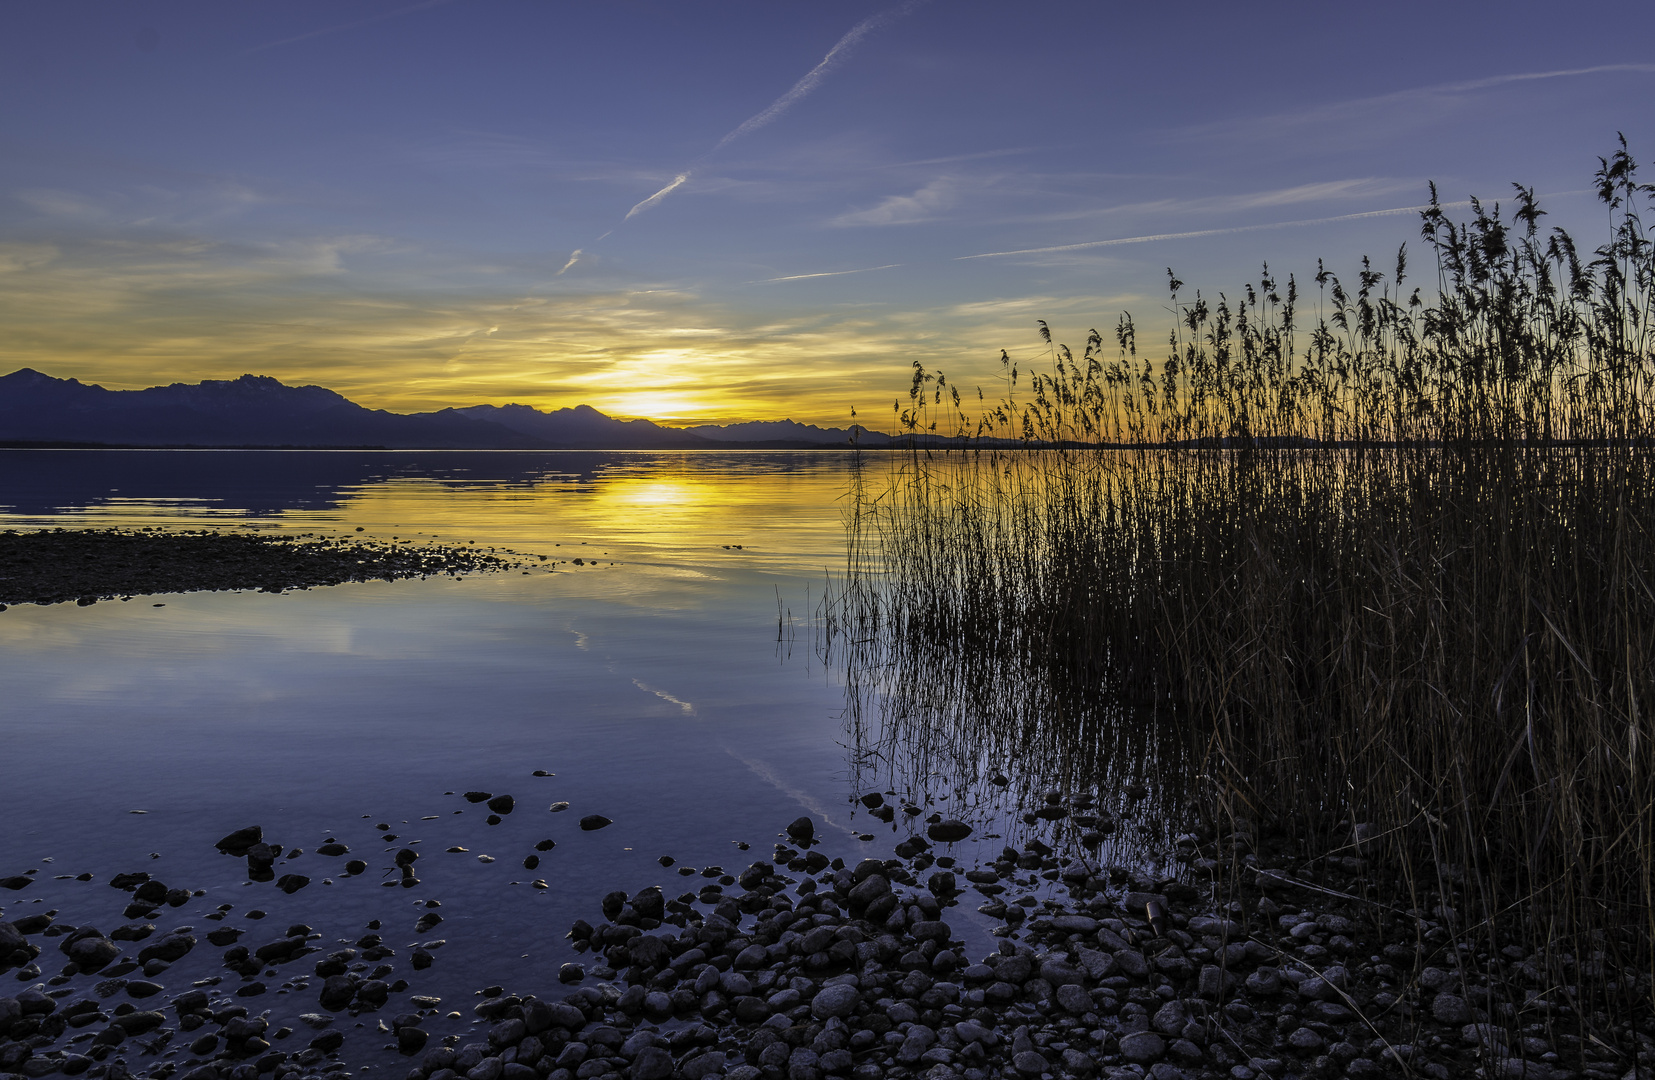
{"points": [[771, 215]]}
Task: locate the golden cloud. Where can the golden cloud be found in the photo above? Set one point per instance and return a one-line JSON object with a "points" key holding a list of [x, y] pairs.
{"points": [[350, 313]]}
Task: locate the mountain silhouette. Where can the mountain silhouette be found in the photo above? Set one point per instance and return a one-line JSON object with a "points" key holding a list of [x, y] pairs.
{"points": [[253, 410], [582, 428], [789, 434], [258, 411]]}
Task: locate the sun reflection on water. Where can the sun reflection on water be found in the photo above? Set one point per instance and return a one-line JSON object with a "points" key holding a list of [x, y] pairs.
{"points": [[772, 510]]}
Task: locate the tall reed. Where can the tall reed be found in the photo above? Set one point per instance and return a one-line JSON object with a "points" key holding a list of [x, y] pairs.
{"points": [[1386, 584]]}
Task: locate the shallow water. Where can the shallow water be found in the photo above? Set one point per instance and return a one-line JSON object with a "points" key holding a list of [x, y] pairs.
{"points": [[652, 684], [673, 684]]}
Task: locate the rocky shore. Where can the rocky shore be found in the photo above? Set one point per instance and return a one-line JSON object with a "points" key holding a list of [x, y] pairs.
{"points": [[805, 967], [87, 565]]}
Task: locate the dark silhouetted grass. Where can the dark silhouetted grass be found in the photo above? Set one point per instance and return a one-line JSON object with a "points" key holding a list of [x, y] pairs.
{"points": [[1389, 577]]}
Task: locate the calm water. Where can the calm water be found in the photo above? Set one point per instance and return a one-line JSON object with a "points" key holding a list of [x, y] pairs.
{"points": [[652, 684]]}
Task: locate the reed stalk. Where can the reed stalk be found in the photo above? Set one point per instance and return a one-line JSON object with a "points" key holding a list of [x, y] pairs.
{"points": [[1385, 584]]}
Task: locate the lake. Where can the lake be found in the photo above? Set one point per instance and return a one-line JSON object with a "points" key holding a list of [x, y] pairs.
{"points": [[670, 683]]}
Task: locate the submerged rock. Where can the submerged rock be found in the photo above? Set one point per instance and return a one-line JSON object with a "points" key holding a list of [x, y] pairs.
{"points": [[948, 832]]}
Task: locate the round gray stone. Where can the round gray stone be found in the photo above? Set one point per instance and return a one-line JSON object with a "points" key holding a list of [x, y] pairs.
{"points": [[1305, 1040], [1143, 1047], [1452, 1009], [830, 1001]]}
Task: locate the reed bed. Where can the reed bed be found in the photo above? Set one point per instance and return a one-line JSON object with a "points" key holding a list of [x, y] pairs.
{"points": [[1383, 584]]}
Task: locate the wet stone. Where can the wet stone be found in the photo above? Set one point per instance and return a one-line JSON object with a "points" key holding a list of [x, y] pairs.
{"points": [[948, 832], [328, 1041], [241, 841]]}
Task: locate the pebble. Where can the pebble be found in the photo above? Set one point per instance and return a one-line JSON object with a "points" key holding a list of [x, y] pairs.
{"points": [[1451, 1009], [1143, 1047], [853, 973], [831, 1001]]}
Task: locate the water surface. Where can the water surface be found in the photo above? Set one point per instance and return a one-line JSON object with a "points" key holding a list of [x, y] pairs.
{"points": [[650, 681]]}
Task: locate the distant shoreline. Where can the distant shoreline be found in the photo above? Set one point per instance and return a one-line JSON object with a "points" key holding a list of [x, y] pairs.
{"points": [[16, 444], [895, 445]]}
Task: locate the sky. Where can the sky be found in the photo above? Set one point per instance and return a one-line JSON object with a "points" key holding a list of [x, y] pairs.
{"points": [[714, 212]]}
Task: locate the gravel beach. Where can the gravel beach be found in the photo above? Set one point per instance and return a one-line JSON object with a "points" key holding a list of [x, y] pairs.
{"points": [[804, 967], [87, 565]]}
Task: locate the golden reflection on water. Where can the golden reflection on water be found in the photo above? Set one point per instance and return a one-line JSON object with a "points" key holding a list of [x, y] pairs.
{"points": [[775, 511]]}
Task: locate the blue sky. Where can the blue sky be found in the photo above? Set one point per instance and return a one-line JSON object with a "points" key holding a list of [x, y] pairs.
{"points": [[384, 197]]}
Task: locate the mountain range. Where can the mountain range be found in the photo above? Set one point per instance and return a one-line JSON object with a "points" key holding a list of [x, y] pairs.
{"points": [[259, 411]]}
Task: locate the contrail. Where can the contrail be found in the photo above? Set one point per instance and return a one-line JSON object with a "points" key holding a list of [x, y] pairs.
{"points": [[830, 273], [1211, 232], [1170, 236], [658, 196], [574, 257], [816, 74], [812, 78], [1320, 114], [421, 6], [1530, 76]]}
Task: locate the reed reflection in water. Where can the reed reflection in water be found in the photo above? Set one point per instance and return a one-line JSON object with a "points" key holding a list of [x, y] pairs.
{"points": [[983, 719]]}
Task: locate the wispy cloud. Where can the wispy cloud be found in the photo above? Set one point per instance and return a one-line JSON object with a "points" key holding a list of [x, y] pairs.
{"points": [[1398, 104], [923, 205], [130, 310], [61, 204], [342, 27], [574, 257], [18, 257]]}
